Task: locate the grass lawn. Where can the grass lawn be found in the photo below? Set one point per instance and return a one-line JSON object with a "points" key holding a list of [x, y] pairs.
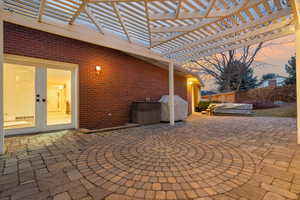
{"points": [[289, 110]]}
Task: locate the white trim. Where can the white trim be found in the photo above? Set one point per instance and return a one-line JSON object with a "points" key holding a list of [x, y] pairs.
{"points": [[41, 10], [171, 93], [1, 80], [41, 89], [39, 61], [74, 106], [41, 66], [192, 98], [76, 98]]}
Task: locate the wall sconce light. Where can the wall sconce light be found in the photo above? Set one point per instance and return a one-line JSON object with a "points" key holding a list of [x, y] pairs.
{"points": [[98, 69]]}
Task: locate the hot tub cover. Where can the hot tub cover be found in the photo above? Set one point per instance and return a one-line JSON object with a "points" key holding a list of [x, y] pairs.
{"points": [[180, 108]]}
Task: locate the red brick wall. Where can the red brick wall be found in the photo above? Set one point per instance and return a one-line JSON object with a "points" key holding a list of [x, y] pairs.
{"points": [[123, 78]]}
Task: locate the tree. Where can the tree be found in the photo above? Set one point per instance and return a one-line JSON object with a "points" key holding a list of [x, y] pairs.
{"points": [[232, 70], [235, 77], [290, 68]]}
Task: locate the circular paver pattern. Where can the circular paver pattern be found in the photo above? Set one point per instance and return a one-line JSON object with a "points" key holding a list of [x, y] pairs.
{"points": [[165, 166]]}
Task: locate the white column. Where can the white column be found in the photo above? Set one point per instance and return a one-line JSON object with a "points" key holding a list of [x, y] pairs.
{"points": [[298, 79], [171, 93], [1, 79], [193, 97]]}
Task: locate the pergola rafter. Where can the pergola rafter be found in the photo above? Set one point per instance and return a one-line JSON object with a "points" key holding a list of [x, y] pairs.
{"points": [[93, 19], [78, 12], [41, 9], [231, 31], [181, 30], [148, 23], [117, 11], [178, 8], [237, 43], [248, 5]]}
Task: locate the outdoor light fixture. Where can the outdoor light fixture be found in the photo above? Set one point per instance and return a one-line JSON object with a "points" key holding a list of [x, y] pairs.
{"points": [[98, 69]]}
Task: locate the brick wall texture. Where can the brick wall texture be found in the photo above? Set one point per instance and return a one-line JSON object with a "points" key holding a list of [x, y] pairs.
{"points": [[123, 78]]}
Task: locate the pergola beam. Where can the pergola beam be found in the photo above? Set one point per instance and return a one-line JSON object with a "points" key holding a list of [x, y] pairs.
{"points": [[248, 4], [148, 23], [234, 29], [209, 7], [181, 28], [77, 13], [178, 8], [296, 9], [201, 14], [110, 1], [221, 35], [41, 10], [240, 38]]}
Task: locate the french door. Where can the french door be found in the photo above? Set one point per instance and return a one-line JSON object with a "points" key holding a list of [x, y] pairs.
{"points": [[38, 97]]}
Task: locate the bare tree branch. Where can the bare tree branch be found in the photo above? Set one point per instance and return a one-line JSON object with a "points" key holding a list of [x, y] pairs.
{"points": [[229, 68]]}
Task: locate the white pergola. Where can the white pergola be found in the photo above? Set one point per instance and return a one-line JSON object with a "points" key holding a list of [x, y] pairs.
{"points": [[172, 31]]}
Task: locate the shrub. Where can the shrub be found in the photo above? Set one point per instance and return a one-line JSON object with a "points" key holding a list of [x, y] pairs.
{"points": [[203, 105]]}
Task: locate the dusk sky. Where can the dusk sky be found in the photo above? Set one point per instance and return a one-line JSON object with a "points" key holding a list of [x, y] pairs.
{"points": [[274, 55]]}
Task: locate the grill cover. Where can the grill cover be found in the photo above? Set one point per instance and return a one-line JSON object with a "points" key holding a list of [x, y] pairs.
{"points": [[181, 108]]}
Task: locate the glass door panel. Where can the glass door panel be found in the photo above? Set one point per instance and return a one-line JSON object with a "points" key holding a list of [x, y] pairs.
{"points": [[59, 83], [19, 96]]}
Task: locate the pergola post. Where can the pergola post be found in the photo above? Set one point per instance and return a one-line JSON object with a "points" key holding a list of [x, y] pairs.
{"points": [[1, 78], [298, 79], [171, 93], [296, 8]]}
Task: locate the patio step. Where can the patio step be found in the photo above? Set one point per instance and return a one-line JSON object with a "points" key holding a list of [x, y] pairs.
{"points": [[89, 131]]}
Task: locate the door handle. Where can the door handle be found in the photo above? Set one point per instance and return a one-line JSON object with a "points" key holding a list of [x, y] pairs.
{"points": [[37, 97]]}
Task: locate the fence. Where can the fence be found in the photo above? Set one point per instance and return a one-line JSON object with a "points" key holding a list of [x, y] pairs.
{"points": [[264, 95], [229, 97]]}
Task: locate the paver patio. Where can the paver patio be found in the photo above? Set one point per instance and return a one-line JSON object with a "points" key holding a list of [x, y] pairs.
{"points": [[204, 158]]}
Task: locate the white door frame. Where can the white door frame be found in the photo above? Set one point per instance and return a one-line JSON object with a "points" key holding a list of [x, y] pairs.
{"points": [[41, 87]]}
